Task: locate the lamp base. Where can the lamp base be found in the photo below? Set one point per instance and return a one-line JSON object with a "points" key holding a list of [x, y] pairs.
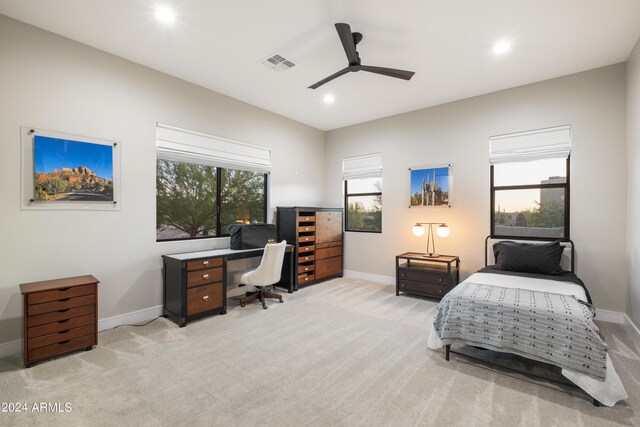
{"points": [[430, 255]]}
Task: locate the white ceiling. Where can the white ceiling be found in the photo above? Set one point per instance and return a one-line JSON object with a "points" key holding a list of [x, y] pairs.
{"points": [[218, 44]]}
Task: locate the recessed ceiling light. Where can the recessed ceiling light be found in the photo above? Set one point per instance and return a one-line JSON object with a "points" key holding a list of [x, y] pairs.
{"points": [[502, 47], [329, 99], [165, 15]]}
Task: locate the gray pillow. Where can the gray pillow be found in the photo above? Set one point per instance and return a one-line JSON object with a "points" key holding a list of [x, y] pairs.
{"points": [[541, 258]]}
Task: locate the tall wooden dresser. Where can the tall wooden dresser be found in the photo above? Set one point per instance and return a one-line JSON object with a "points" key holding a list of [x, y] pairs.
{"points": [[59, 316], [317, 235]]}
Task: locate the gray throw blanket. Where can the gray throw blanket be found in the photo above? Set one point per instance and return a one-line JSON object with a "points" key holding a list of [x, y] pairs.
{"points": [[543, 326]]}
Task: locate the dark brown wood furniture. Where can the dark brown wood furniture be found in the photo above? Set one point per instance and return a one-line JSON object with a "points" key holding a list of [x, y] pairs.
{"points": [[58, 316], [195, 283], [419, 274], [317, 233]]}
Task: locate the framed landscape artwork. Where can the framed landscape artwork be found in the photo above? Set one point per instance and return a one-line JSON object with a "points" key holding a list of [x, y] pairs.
{"points": [[430, 186], [68, 172]]}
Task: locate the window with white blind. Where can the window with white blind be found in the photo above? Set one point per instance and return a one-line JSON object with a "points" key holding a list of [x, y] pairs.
{"points": [[362, 177], [205, 183], [530, 184]]}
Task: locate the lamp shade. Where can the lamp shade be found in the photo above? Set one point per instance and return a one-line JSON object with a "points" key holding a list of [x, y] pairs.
{"points": [[418, 230], [443, 230]]}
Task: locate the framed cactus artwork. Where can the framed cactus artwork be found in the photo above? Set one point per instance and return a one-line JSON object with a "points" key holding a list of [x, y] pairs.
{"points": [[430, 186]]}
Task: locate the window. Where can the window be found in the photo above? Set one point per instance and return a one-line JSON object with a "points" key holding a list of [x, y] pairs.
{"points": [[189, 206], [205, 183], [362, 177], [530, 189], [363, 202]]}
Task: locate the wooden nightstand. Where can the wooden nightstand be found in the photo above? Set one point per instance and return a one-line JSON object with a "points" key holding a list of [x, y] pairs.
{"points": [[419, 274]]}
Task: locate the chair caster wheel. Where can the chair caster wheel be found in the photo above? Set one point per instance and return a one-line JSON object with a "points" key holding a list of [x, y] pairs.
{"points": [[264, 308]]}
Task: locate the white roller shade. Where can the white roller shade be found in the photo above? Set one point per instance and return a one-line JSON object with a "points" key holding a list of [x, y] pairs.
{"points": [[189, 146], [531, 145], [366, 166]]}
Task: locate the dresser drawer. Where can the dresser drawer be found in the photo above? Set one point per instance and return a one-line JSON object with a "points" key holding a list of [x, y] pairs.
{"points": [[421, 288], [306, 239], [329, 245], [60, 294], [306, 228], [59, 337], [328, 252], [203, 277], [442, 279], [60, 348], [61, 325], [48, 307], [204, 298], [328, 267], [305, 268], [57, 316], [204, 263], [306, 258], [305, 249], [306, 218], [302, 278]]}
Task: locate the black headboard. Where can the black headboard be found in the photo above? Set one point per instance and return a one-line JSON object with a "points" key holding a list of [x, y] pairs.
{"points": [[568, 257]]}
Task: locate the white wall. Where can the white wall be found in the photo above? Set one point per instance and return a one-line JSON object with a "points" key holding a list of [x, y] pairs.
{"points": [[50, 82], [633, 183], [592, 102]]}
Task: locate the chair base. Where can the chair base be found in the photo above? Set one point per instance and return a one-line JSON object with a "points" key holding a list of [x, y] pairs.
{"points": [[260, 294]]}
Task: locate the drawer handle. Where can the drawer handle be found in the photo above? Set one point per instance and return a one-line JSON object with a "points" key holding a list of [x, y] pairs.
{"points": [[306, 268], [63, 321], [306, 238], [64, 289], [205, 298], [205, 276], [64, 300], [306, 229], [62, 311], [64, 332], [306, 258], [440, 280], [306, 278], [64, 342], [205, 262]]}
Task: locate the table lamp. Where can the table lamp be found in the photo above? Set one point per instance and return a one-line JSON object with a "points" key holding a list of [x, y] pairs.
{"points": [[442, 230]]}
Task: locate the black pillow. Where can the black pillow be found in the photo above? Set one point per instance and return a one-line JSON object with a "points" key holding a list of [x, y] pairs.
{"points": [[541, 258]]}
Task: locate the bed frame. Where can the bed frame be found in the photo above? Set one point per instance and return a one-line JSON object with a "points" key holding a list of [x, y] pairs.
{"points": [[568, 263]]}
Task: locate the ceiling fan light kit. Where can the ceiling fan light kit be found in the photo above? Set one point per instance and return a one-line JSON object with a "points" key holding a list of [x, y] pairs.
{"points": [[349, 41]]}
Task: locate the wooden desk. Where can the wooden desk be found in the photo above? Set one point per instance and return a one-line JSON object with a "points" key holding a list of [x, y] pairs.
{"points": [[195, 283]]}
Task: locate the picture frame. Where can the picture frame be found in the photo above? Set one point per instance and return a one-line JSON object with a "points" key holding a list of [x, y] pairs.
{"points": [[62, 171], [430, 186]]}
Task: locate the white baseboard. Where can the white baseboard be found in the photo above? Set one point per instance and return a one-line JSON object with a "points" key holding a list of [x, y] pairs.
{"points": [[632, 329], [10, 348], [130, 318], [14, 347], [349, 274], [610, 316]]}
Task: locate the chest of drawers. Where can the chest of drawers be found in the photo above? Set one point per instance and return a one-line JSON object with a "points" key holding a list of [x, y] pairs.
{"points": [[59, 316]]}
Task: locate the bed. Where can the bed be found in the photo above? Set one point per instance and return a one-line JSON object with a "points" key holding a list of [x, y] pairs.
{"points": [[528, 302]]}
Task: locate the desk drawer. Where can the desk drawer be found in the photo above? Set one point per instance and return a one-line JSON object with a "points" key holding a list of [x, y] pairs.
{"points": [[421, 288], [61, 325], [441, 279], [59, 337], [204, 298], [48, 307], [57, 316], [203, 277], [304, 249], [204, 263], [302, 278], [60, 348], [60, 294], [305, 268], [329, 252]]}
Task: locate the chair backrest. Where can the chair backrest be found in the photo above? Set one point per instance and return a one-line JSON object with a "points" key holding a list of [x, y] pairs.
{"points": [[270, 268]]}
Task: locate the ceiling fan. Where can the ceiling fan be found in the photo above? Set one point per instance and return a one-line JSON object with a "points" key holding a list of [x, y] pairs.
{"points": [[349, 41]]}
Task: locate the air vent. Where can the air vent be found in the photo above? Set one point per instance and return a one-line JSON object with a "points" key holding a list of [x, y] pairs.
{"points": [[277, 63]]}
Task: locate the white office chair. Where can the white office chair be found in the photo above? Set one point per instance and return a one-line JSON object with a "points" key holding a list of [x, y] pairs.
{"points": [[267, 274]]}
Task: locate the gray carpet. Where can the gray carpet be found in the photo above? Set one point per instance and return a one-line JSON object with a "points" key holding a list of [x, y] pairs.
{"points": [[344, 352]]}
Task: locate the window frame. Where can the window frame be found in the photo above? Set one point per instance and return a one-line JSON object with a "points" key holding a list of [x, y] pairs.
{"points": [[346, 208], [567, 204], [218, 204]]}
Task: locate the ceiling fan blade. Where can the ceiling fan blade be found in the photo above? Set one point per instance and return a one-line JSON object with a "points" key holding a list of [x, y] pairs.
{"points": [[331, 77], [344, 31], [391, 72]]}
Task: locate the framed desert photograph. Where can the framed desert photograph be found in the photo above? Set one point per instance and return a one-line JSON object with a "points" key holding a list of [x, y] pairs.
{"points": [[64, 171], [430, 186]]}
